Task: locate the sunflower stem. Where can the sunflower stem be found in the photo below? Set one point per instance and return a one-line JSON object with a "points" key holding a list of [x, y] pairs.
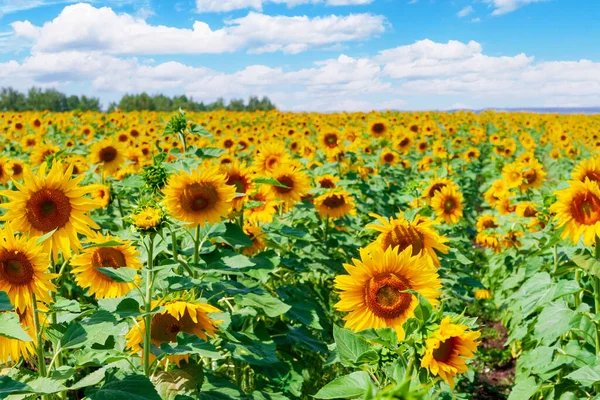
{"points": [[410, 367], [38, 336], [148, 306], [174, 244], [197, 246], [121, 212]]}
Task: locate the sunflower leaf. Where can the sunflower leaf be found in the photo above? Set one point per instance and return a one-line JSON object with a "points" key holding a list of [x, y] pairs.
{"points": [[45, 236], [350, 346], [235, 236], [349, 386], [131, 387], [11, 328], [269, 181], [121, 274], [109, 243], [9, 387], [74, 337], [5, 304]]}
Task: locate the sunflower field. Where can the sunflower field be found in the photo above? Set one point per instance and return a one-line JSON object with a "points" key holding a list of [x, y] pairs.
{"points": [[271, 256]]}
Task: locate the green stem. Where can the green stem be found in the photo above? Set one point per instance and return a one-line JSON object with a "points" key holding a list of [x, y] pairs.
{"points": [[121, 212], [410, 367], [38, 335], [597, 297], [197, 247], [174, 244], [580, 294], [148, 306]]}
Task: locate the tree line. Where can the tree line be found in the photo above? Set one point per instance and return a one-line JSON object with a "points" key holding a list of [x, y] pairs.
{"points": [[37, 99]]}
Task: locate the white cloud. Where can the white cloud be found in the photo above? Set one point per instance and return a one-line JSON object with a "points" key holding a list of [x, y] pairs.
{"points": [[507, 6], [475, 20], [465, 11], [82, 27], [11, 6], [230, 5]]}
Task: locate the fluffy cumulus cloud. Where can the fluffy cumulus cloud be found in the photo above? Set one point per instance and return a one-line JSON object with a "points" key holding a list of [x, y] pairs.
{"points": [[507, 6], [465, 11], [230, 5], [83, 27]]}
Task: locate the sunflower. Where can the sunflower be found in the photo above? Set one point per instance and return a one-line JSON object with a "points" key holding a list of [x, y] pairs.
{"points": [[330, 140], [239, 176], [200, 197], [108, 153], [53, 202], [327, 181], [578, 209], [100, 193], [147, 218], [447, 205], [296, 183], [261, 206], [12, 350], [486, 221], [23, 269], [436, 185], [511, 173], [588, 169], [271, 157], [41, 152], [496, 193], [448, 348], [86, 265], [489, 240], [388, 157], [533, 175], [400, 234], [256, 235], [180, 315], [374, 292], [15, 168], [483, 294], [5, 171], [378, 129], [526, 209], [335, 204]]}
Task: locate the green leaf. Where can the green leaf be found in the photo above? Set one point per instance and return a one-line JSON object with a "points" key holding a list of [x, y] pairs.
{"points": [[8, 386], [586, 375], [110, 243], [237, 261], [271, 306], [46, 386], [74, 337], [189, 344], [45, 237], [235, 236], [384, 336], [5, 304], [586, 261], [349, 386], [524, 389], [553, 321], [295, 233], [130, 387], [128, 308], [460, 257], [209, 152], [121, 274], [269, 181], [10, 327], [350, 346]]}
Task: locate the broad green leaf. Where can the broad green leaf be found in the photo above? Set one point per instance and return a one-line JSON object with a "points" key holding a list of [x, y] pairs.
{"points": [[350, 346], [237, 261], [189, 344], [121, 274], [271, 306], [269, 181], [109, 243], [586, 261], [235, 236], [384, 336], [45, 237], [130, 387], [10, 327], [74, 337], [46, 386], [5, 304], [9, 386], [524, 389], [349, 386], [209, 152], [553, 321], [295, 233], [587, 375]]}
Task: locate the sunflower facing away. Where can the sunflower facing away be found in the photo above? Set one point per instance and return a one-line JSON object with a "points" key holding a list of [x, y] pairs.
{"points": [[447, 205], [23, 269], [578, 210], [179, 316], [200, 197], [44, 203], [100, 285], [448, 348], [399, 233], [374, 291], [335, 204]]}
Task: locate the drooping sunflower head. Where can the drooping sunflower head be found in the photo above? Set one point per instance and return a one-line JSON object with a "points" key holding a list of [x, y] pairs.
{"points": [[180, 315], [447, 205], [51, 202], [448, 348], [419, 235], [483, 294], [335, 204], [436, 185], [486, 221], [86, 267], [374, 292], [23, 269], [256, 235], [578, 209], [294, 184], [108, 153], [200, 197]]}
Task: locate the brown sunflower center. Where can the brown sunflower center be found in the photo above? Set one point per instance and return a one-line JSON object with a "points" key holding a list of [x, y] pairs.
{"points": [[15, 268], [449, 205], [388, 157], [436, 188], [593, 176], [445, 351], [404, 236], [108, 257], [489, 223], [327, 183], [334, 201], [586, 209], [529, 176], [404, 142], [108, 154], [228, 143], [331, 140], [165, 327], [378, 128], [196, 197], [287, 181], [48, 209], [272, 162], [239, 182], [386, 297]]}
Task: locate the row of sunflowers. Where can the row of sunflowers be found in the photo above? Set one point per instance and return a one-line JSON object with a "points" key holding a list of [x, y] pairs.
{"points": [[276, 255]]}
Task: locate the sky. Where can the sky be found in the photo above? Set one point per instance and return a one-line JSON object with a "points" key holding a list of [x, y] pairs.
{"points": [[310, 55]]}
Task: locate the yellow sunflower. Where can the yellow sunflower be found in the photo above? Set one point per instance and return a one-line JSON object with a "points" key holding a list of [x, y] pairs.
{"points": [[256, 235], [239, 176], [448, 349], [483, 294], [261, 206], [511, 173], [436, 185], [296, 183], [335, 204], [41, 152], [388, 157], [100, 193], [447, 205], [271, 157], [533, 175], [86, 265], [5, 171], [53, 202], [588, 169], [327, 181], [374, 292], [147, 218], [108, 153], [486, 221], [179, 316], [13, 350], [23, 269], [200, 197], [401, 234], [578, 209], [377, 129], [16, 168]]}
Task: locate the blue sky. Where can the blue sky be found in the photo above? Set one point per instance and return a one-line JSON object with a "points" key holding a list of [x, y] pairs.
{"points": [[326, 55]]}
